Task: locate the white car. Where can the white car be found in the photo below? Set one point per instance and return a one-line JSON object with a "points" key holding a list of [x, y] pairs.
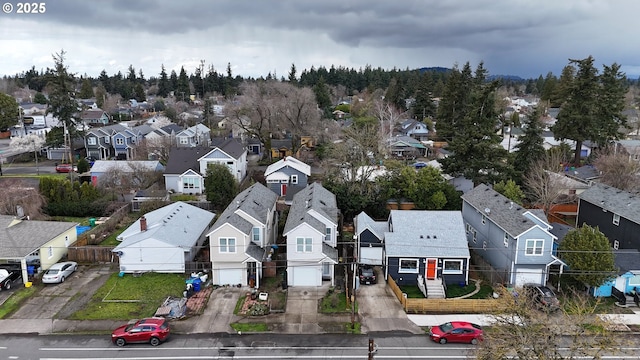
{"points": [[58, 272]]}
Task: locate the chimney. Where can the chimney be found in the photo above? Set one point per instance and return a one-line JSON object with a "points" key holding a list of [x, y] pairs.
{"points": [[143, 223]]}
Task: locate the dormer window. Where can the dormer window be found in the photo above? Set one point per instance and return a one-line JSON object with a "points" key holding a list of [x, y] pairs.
{"points": [[119, 141], [327, 236], [91, 140], [294, 179]]}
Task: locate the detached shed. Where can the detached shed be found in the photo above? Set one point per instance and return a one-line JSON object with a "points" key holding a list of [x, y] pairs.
{"points": [[164, 239]]}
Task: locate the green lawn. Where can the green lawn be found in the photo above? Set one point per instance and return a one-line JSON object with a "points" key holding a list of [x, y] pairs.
{"points": [[131, 297], [455, 290], [412, 291], [335, 302], [15, 300], [111, 239], [250, 327]]}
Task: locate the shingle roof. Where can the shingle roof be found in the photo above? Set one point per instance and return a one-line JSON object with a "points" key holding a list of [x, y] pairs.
{"points": [[378, 228], [499, 209], [233, 147], [560, 231], [623, 203], [288, 161], [422, 233], [314, 197], [27, 236], [178, 224], [626, 260], [257, 200], [100, 166], [184, 158]]}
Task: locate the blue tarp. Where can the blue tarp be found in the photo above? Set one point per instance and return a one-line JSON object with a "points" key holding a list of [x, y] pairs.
{"points": [[81, 229]]}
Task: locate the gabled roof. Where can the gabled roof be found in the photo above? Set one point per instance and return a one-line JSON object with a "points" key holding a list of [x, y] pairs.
{"points": [[232, 147], [92, 114], [27, 236], [279, 144], [288, 161], [499, 209], [560, 230], [378, 228], [617, 201], [171, 128], [195, 129], [178, 224], [100, 166], [423, 233], [583, 173], [626, 260], [257, 201], [143, 129], [406, 141], [184, 158], [313, 197], [107, 130]]}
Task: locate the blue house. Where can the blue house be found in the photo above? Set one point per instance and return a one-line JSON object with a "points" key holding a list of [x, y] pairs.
{"points": [[287, 176], [628, 276], [124, 142], [516, 242], [427, 243]]}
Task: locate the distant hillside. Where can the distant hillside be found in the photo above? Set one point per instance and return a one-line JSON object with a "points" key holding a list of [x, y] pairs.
{"points": [[505, 77]]}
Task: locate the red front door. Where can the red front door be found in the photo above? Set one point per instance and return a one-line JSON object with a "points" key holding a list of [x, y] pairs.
{"points": [[431, 269], [283, 189]]}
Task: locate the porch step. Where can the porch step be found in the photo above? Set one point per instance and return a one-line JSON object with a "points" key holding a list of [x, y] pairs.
{"points": [[435, 292]]}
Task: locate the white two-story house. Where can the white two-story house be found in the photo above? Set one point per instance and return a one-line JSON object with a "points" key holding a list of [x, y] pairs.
{"points": [[311, 231], [515, 241], [241, 238]]}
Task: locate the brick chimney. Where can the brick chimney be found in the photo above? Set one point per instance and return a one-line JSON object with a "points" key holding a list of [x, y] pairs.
{"points": [[143, 223]]}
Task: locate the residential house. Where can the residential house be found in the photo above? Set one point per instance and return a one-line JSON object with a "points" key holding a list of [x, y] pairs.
{"points": [[629, 147], [187, 167], [615, 212], [432, 244], [90, 118], [516, 242], [197, 135], [586, 174], [287, 176], [242, 237], [29, 109], [406, 147], [124, 142], [46, 242], [281, 148], [415, 129], [460, 183], [369, 236], [98, 141], [101, 168], [627, 278], [254, 145], [311, 233], [164, 240]]}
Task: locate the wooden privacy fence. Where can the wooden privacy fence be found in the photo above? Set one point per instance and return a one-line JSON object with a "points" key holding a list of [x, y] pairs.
{"points": [[92, 254], [425, 306]]}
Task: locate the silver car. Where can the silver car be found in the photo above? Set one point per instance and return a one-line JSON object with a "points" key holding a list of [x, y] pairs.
{"points": [[58, 272]]}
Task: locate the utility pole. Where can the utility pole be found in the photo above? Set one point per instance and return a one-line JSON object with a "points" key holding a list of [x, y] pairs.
{"points": [[35, 152], [372, 349]]}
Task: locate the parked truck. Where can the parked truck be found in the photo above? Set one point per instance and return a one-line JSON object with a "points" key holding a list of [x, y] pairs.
{"points": [[8, 276]]}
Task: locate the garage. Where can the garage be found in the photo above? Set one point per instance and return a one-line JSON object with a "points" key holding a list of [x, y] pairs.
{"points": [[229, 276], [371, 255], [305, 275], [528, 275]]}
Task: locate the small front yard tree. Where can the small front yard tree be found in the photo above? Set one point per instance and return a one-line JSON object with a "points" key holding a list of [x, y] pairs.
{"points": [[220, 186], [588, 254]]}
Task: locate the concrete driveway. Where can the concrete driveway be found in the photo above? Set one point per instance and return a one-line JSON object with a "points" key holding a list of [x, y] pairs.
{"points": [[380, 310], [218, 313], [59, 301]]}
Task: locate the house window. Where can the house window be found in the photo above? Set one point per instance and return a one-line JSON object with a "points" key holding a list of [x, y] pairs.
{"points": [[91, 140], [294, 179], [408, 266], [327, 236], [475, 236], [484, 219], [190, 183], [468, 228], [506, 240], [256, 234], [616, 244], [572, 191], [534, 247], [634, 281], [107, 140], [227, 245], [50, 252], [119, 141], [304, 245], [616, 219], [452, 267], [484, 245], [184, 140]]}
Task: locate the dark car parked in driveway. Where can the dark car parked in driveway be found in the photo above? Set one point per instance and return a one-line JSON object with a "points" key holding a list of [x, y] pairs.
{"points": [[367, 275], [9, 275], [542, 296]]}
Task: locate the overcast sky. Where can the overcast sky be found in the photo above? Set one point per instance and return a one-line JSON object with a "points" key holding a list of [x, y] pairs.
{"points": [[516, 37]]}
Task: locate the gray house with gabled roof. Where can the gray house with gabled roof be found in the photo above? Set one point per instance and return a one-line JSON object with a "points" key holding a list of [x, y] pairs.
{"points": [[311, 231], [516, 242], [370, 239], [240, 240], [164, 240], [432, 244], [615, 212]]}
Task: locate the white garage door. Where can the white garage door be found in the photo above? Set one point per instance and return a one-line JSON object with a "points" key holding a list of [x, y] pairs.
{"points": [[524, 276], [306, 276], [371, 255], [230, 276]]}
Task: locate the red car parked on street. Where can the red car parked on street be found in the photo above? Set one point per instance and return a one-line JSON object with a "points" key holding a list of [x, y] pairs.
{"points": [[149, 330], [456, 331]]}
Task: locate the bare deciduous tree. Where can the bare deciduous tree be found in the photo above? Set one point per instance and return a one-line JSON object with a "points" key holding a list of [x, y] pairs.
{"points": [[545, 186], [157, 148], [618, 169], [388, 117], [125, 182], [520, 331], [16, 193]]}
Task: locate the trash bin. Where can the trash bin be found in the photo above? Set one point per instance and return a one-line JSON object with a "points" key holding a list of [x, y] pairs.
{"points": [[92, 222], [31, 270], [196, 285]]}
